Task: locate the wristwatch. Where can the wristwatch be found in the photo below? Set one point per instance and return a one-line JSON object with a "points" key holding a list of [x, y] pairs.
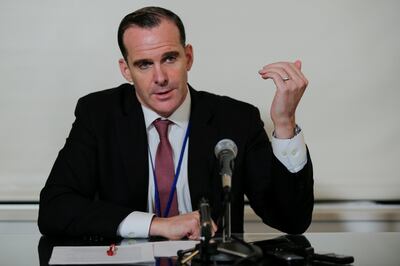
{"points": [[297, 130]]}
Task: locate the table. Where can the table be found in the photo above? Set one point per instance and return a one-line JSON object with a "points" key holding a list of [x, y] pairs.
{"points": [[367, 248]]}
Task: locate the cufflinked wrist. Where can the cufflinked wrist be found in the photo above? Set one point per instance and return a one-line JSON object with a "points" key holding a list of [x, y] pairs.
{"points": [[297, 130]]}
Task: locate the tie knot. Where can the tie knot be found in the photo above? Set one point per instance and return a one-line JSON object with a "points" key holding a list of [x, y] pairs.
{"points": [[162, 127]]}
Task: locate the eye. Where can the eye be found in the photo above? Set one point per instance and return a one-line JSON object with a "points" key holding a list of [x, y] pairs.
{"points": [[144, 65], [170, 59]]}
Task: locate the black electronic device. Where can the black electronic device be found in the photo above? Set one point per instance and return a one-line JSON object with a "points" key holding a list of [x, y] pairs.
{"points": [[285, 258], [297, 250], [333, 258]]}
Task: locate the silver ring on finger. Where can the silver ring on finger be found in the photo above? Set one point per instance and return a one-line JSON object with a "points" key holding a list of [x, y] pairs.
{"points": [[286, 78]]}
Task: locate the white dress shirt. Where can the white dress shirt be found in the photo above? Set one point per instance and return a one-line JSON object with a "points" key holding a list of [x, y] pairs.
{"points": [[290, 152]]}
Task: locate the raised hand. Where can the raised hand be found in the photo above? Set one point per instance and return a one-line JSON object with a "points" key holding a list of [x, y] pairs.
{"points": [[290, 86]]}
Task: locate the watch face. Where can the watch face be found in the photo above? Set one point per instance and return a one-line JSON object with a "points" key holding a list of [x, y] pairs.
{"points": [[297, 130]]}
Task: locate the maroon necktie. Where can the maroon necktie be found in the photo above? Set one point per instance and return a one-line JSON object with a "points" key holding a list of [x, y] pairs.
{"points": [[164, 168]]}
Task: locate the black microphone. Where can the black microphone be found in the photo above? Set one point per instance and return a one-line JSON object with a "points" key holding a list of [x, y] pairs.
{"points": [[205, 220], [226, 151]]}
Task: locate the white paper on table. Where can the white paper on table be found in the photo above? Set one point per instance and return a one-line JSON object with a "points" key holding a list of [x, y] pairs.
{"points": [[140, 253], [125, 254]]}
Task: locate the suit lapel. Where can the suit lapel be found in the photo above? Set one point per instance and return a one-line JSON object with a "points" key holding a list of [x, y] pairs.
{"points": [[201, 162], [132, 139]]}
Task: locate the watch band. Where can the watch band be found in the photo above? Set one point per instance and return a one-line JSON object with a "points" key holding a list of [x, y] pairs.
{"points": [[297, 130]]}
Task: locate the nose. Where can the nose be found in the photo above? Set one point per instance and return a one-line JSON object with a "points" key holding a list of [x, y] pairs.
{"points": [[160, 76]]}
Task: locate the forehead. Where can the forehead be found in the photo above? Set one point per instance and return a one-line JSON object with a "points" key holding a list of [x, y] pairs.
{"points": [[140, 42]]}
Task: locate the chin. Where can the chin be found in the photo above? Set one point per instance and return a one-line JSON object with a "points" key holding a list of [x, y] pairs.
{"points": [[166, 112], [166, 107]]}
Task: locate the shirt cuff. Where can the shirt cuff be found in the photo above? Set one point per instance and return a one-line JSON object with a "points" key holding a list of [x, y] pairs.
{"points": [[292, 153], [135, 225]]}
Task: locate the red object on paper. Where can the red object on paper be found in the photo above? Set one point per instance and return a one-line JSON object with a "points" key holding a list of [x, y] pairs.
{"points": [[112, 250]]}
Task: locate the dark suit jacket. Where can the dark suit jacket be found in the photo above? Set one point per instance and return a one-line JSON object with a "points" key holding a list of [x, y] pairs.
{"points": [[101, 174]]}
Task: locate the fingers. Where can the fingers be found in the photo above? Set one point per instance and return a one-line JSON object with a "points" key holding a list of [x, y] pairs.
{"points": [[277, 74], [178, 227], [195, 232], [291, 84], [192, 224], [297, 63], [297, 68], [282, 70], [214, 228]]}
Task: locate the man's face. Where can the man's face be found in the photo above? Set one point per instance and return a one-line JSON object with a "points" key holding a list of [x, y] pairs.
{"points": [[157, 64]]}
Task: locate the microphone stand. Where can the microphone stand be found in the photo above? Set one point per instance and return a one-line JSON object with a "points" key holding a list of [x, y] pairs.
{"points": [[232, 249], [226, 219], [209, 251], [201, 253]]}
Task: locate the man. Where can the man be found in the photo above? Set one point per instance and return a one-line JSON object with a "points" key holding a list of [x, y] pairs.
{"points": [[129, 144]]}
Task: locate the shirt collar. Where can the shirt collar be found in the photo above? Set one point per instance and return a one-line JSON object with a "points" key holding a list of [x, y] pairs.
{"points": [[180, 117]]}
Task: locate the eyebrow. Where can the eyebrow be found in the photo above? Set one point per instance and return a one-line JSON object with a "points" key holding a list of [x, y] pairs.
{"points": [[171, 53], [141, 61], [165, 55]]}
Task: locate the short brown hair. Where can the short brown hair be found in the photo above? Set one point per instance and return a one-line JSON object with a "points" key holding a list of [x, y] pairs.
{"points": [[148, 17]]}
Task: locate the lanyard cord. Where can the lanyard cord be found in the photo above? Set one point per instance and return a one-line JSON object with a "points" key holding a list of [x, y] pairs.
{"points": [[173, 188]]}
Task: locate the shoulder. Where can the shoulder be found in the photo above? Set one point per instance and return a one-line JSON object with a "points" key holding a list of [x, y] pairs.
{"points": [[107, 104], [107, 97], [230, 118], [223, 104]]}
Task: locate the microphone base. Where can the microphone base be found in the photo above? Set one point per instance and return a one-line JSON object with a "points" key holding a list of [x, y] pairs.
{"points": [[227, 253]]}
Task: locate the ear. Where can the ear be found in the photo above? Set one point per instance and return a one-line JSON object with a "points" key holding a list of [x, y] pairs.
{"points": [[189, 56], [125, 71]]}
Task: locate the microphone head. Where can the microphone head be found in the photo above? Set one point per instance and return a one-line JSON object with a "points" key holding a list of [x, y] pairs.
{"points": [[225, 145]]}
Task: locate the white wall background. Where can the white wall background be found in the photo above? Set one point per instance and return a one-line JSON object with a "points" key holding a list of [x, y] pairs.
{"points": [[52, 52]]}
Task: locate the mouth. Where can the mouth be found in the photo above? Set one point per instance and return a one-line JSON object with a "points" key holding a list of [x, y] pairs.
{"points": [[163, 94]]}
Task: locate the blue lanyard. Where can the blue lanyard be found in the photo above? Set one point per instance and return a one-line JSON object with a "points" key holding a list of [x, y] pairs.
{"points": [[173, 188]]}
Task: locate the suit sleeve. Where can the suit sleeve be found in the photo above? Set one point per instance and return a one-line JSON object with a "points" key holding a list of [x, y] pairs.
{"points": [[68, 201], [283, 200]]}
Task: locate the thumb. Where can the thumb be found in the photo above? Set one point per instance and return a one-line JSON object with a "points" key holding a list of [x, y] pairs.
{"points": [[297, 63]]}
